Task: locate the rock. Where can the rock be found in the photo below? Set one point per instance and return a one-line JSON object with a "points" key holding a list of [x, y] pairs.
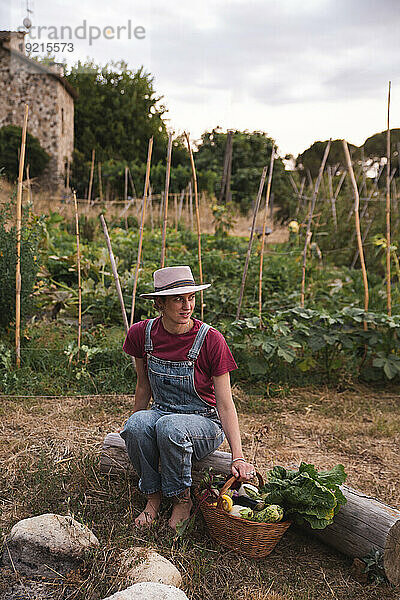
{"points": [[144, 564], [47, 546], [149, 591]]}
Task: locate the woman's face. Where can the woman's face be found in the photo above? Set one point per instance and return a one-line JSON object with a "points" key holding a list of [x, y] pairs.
{"points": [[178, 309]]}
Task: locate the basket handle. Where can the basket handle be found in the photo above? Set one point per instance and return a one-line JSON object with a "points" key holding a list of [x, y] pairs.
{"points": [[228, 484]]}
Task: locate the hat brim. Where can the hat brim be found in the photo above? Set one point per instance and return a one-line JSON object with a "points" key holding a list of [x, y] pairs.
{"points": [[187, 289]]}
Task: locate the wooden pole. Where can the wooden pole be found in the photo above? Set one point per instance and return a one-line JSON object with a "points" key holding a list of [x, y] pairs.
{"points": [[176, 212], [78, 262], [271, 168], [166, 192], [196, 201], [357, 218], [100, 182], [332, 198], [181, 204], [18, 236], [139, 254], [246, 264], [115, 273], [151, 208], [89, 196], [126, 197], [191, 205], [28, 180], [388, 277], [308, 232]]}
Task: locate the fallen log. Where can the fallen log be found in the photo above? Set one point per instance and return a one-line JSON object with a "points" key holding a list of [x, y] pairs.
{"points": [[362, 525]]}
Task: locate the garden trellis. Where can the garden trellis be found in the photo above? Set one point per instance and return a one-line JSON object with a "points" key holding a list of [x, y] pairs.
{"points": [[310, 216]]}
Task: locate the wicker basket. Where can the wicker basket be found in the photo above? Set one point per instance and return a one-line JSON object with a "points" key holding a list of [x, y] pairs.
{"points": [[245, 537]]}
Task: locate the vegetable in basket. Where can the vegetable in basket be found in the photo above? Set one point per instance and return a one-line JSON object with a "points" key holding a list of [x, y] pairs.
{"points": [[242, 512], [270, 514], [307, 496]]}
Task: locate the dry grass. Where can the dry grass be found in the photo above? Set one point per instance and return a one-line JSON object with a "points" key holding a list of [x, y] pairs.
{"points": [[49, 449], [44, 203]]}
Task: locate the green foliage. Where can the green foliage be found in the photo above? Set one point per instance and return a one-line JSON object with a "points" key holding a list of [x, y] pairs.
{"points": [[375, 148], [30, 237], [10, 145], [251, 152], [318, 342], [307, 496], [110, 91], [310, 160]]}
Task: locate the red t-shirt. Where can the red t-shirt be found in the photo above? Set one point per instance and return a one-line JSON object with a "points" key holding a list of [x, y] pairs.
{"points": [[214, 359]]}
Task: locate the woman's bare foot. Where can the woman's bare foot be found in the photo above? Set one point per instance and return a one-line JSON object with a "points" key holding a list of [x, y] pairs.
{"points": [[150, 512], [182, 506]]}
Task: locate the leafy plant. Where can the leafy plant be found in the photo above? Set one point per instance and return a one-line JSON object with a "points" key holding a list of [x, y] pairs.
{"points": [[29, 263], [307, 496]]}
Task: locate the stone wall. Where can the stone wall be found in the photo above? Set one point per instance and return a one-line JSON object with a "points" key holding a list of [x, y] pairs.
{"points": [[51, 110]]}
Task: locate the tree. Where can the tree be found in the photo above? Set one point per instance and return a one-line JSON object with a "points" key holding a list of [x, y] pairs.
{"points": [[251, 152], [116, 113], [310, 160], [10, 144], [375, 148]]}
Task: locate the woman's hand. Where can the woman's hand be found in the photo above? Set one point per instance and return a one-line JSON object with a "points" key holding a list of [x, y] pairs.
{"points": [[243, 470]]}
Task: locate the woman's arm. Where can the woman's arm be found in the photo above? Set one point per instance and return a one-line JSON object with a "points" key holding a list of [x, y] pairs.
{"points": [[143, 389], [230, 424]]}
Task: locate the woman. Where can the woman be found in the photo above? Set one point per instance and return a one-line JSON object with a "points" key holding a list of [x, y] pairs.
{"points": [[184, 365]]}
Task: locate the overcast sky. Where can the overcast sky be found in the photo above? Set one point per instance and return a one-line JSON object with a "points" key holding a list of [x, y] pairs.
{"points": [[300, 70]]}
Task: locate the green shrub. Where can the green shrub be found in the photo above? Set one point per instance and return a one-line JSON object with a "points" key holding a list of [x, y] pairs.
{"points": [[31, 229], [10, 143]]}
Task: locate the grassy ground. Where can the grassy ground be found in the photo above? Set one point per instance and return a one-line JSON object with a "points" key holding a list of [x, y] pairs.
{"points": [[50, 450]]}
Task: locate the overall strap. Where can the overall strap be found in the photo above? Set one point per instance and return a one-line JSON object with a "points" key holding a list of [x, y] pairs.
{"points": [[198, 342], [148, 344]]}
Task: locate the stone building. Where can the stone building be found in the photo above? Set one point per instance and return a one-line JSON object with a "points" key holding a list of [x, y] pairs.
{"points": [[51, 103]]}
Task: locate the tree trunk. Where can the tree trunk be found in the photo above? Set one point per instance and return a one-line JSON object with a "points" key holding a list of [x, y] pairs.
{"points": [[362, 525]]}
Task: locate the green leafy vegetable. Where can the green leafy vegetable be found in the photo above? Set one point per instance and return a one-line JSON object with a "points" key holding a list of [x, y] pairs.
{"points": [[306, 495]]}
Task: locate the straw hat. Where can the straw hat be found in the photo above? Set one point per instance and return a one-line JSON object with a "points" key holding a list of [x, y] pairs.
{"points": [[172, 281]]}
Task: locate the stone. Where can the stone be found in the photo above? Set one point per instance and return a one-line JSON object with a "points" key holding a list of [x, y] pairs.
{"points": [[48, 545], [149, 591], [144, 564]]}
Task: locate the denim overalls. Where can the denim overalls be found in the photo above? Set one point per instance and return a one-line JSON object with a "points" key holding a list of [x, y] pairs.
{"points": [[161, 441]]}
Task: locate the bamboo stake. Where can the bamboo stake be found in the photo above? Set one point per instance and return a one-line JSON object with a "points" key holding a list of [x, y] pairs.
{"points": [[181, 205], [300, 197], [308, 232], [151, 208], [271, 168], [246, 264], [176, 212], [190, 205], [139, 254], [332, 198], [166, 192], [89, 196], [126, 197], [28, 180], [357, 218], [196, 200], [388, 278], [78, 261], [18, 236], [100, 182], [115, 273]]}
